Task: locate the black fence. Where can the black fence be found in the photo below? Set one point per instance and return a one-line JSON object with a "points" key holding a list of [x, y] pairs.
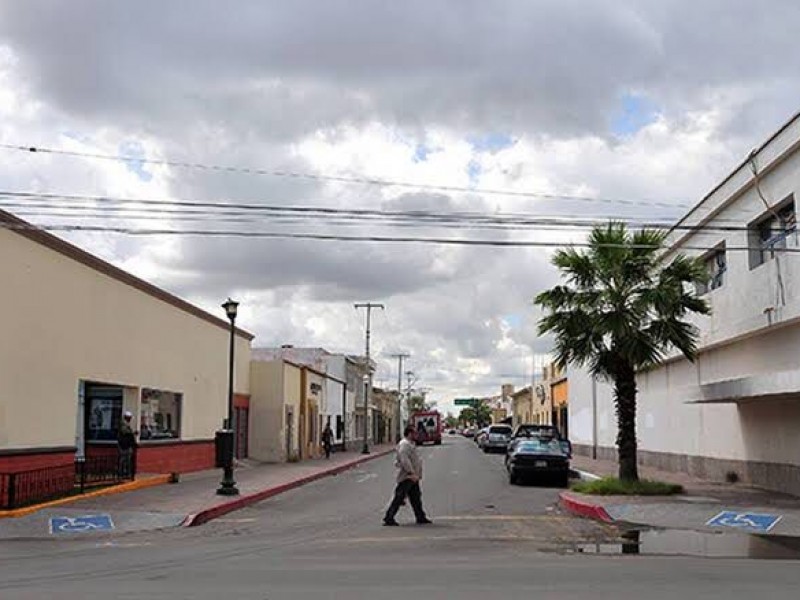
{"points": [[39, 485]]}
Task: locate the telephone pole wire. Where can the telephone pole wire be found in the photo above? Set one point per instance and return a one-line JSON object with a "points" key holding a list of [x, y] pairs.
{"points": [[368, 378]]}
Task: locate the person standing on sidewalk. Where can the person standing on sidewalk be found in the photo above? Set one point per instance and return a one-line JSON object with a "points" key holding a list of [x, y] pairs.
{"points": [[126, 443], [409, 474], [327, 439]]}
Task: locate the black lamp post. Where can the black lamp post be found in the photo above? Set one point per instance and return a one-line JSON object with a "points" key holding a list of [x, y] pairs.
{"points": [[365, 448], [225, 438]]}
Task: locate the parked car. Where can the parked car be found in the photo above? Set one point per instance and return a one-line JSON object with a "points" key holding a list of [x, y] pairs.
{"points": [[469, 432], [538, 457], [497, 438], [526, 431]]}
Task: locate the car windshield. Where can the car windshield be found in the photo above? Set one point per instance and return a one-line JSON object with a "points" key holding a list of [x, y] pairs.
{"points": [[540, 444], [503, 430]]}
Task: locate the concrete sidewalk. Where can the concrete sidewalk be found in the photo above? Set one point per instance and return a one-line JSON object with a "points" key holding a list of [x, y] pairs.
{"points": [[192, 501], [709, 506]]}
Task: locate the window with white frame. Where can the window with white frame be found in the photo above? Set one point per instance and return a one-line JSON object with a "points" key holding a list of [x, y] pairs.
{"points": [[770, 234], [716, 263]]}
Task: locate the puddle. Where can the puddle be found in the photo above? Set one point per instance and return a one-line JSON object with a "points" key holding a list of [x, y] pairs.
{"points": [[679, 542]]}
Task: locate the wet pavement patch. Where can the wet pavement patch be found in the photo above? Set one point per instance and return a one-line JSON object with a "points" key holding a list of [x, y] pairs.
{"points": [[682, 542]]}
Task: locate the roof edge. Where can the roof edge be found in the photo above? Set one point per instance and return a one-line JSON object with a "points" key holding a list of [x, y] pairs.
{"points": [[40, 236]]}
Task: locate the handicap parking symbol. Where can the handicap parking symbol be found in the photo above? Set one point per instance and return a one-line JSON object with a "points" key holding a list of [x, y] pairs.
{"points": [[758, 522], [82, 524]]}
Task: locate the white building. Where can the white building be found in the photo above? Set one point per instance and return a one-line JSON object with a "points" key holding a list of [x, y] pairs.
{"points": [[737, 408]]}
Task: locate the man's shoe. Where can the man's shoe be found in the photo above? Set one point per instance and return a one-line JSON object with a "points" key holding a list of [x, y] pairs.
{"points": [[391, 523], [424, 522]]}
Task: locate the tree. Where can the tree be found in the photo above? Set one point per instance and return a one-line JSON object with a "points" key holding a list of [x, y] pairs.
{"points": [[622, 309], [450, 421], [480, 414], [417, 403]]}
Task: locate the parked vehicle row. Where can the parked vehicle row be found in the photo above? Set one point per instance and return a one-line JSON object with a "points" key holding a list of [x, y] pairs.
{"points": [[532, 451]]}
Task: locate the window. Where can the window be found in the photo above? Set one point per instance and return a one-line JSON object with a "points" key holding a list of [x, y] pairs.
{"points": [[716, 264], [160, 415], [103, 411], [771, 233]]}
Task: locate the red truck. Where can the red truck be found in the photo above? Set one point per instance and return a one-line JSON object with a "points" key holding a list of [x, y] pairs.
{"points": [[428, 425]]}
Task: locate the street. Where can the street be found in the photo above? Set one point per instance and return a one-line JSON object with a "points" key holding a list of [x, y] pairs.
{"points": [[325, 540]]}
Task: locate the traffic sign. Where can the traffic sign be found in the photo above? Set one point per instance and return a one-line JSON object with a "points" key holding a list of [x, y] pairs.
{"points": [[759, 522], [82, 524], [465, 401]]}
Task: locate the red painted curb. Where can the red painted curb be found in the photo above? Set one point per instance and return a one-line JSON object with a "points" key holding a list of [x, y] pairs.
{"points": [[584, 509], [214, 512]]}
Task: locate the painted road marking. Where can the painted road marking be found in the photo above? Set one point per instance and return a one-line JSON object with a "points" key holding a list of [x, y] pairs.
{"points": [[366, 477], [751, 521], [81, 524]]}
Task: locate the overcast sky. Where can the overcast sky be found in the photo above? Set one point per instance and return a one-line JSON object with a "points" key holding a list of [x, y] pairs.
{"points": [[649, 102]]}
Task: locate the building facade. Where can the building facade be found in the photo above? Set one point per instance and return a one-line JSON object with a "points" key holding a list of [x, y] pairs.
{"points": [[84, 341], [735, 412]]}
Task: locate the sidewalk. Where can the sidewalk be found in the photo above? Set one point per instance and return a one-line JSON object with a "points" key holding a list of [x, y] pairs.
{"points": [[700, 508], [191, 502]]}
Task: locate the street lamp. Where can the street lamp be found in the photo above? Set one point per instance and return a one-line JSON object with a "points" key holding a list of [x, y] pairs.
{"points": [[365, 448], [225, 438]]}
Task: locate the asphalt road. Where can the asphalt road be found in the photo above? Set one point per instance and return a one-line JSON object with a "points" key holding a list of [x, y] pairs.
{"points": [[325, 540]]}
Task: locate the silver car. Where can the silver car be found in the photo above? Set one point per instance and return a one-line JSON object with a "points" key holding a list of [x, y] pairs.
{"points": [[497, 438]]}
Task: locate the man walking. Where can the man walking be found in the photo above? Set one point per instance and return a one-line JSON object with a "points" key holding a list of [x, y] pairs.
{"points": [[409, 474], [327, 439], [126, 442]]}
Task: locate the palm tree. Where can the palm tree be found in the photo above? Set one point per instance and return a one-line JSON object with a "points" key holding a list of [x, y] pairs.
{"points": [[622, 309]]}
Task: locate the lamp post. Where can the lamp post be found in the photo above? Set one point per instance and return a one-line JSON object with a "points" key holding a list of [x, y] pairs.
{"points": [[225, 438], [365, 448]]}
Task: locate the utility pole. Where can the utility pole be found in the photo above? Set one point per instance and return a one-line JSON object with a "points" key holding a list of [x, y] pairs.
{"points": [[400, 356], [369, 306]]}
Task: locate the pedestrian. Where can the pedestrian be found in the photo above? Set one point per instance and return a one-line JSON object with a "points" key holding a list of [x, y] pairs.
{"points": [[327, 439], [126, 443], [409, 474]]}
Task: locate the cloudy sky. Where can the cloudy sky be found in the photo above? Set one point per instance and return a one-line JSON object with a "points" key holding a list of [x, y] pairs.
{"points": [[645, 105]]}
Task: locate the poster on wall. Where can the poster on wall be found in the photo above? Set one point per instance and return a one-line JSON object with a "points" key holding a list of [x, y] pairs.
{"points": [[103, 417]]}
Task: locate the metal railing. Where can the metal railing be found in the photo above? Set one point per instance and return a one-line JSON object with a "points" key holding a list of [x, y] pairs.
{"points": [[23, 488]]}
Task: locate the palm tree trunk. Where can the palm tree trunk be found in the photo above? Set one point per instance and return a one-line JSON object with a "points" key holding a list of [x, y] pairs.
{"points": [[625, 396]]}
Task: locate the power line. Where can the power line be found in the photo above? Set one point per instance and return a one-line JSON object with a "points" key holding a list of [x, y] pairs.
{"points": [[352, 238], [107, 205], [336, 178]]}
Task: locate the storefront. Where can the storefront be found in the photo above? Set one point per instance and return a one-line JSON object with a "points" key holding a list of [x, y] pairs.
{"points": [[89, 342]]}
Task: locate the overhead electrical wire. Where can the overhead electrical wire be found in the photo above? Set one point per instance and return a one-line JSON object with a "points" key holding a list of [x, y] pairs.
{"points": [[49, 205], [345, 238], [335, 178]]}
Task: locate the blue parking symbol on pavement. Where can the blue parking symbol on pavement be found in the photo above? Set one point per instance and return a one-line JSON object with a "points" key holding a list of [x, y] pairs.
{"points": [[758, 522], [82, 524]]}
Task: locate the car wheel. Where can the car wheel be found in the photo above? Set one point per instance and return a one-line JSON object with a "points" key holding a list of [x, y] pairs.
{"points": [[513, 478], [563, 480]]}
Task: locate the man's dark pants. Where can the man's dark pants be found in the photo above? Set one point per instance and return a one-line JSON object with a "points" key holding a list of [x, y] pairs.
{"points": [[412, 490]]}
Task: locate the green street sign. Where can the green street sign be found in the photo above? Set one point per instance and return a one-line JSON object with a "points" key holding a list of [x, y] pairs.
{"points": [[465, 401]]}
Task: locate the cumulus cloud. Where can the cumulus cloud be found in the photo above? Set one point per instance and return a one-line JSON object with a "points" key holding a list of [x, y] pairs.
{"points": [[651, 102]]}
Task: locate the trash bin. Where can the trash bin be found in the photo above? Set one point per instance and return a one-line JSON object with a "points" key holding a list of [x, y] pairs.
{"points": [[223, 446]]}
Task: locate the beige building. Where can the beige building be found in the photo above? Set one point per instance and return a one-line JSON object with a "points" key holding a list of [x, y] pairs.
{"points": [[386, 407], [522, 406], [275, 405], [84, 341]]}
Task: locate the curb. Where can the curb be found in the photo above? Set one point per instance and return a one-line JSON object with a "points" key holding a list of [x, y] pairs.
{"points": [[584, 475], [583, 508], [209, 514], [138, 484]]}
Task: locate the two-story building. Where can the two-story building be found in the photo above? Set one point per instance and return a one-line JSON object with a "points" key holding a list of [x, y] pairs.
{"points": [[735, 412]]}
